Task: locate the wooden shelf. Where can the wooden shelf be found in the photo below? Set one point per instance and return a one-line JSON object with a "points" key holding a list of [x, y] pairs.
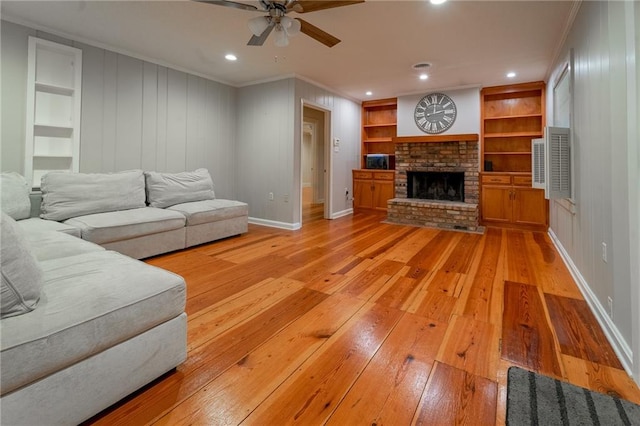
{"points": [[378, 140], [508, 153], [379, 127], [514, 135], [507, 117], [511, 116]]}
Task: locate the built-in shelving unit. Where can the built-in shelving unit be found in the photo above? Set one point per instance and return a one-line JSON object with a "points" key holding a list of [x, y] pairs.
{"points": [[511, 116], [54, 81], [379, 127]]}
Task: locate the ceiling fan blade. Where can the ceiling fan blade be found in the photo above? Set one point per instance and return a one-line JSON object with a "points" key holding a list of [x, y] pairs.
{"points": [[317, 34], [306, 6], [229, 3], [259, 40]]}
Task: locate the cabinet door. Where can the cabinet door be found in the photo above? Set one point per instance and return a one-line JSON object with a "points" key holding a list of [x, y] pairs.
{"points": [[496, 203], [362, 194], [529, 206], [383, 190]]}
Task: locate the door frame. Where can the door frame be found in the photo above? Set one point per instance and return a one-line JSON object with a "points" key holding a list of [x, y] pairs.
{"points": [[328, 171]]}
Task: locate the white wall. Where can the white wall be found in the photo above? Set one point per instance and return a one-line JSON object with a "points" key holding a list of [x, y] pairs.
{"points": [[605, 149], [467, 120], [135, 114]]}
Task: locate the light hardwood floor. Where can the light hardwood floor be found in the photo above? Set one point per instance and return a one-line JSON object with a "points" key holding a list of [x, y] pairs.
{"points": [[353, 321]]}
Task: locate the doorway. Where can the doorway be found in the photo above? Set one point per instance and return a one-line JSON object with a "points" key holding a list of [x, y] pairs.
{"points": [[314, 162]]}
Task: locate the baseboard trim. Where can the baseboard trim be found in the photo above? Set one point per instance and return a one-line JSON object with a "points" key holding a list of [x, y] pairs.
{"points": [[342, 213], [275, 224], [620, 346]]}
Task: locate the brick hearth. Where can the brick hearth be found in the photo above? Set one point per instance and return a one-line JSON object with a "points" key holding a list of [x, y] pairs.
{"points": [[454, 153]]}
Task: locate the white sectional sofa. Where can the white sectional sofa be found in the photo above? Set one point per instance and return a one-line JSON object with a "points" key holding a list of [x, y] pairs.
{"points": [[83, 325], [142, 214]]}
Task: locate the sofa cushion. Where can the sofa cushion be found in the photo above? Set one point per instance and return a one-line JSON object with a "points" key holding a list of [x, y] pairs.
{"points": [[104, 228], [66, 195], [37, 225], [90, 302], [168, 189], [21, 273], [55, 245], [14, 193], [211, 210]]}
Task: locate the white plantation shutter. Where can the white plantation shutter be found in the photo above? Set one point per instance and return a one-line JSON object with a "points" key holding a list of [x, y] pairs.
{"points": [[559, 163], [551, 163], [538, 169]]}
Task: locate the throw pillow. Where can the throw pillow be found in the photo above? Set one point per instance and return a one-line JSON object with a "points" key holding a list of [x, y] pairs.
{"points": [[14, 192], [168, 189], [21, 273], [67, 195]]}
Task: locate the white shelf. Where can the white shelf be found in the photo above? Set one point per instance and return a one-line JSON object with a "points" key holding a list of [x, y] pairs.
{"points": [[54, 89], [54, 82]]}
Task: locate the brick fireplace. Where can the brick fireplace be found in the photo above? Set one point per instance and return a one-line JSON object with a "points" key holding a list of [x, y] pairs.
{"points": [[450, 198]]}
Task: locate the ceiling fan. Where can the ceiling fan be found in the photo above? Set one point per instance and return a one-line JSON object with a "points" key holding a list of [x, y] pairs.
{"points": [[285, 26]]}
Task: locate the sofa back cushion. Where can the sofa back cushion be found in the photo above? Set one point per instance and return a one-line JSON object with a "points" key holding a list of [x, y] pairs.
{"points": [[14, 193], [21, 273], [67, 195], [168, 189]]}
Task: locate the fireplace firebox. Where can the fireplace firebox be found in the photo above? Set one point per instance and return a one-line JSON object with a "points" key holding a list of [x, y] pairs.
{"points": [[445, 186]]}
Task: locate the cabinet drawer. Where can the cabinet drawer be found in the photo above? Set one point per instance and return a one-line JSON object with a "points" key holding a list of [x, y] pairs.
{"points": [[384, 175], [359, 174], [522, 180], [506, 180]]}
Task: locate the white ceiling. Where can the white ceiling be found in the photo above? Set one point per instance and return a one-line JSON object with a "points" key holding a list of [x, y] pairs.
{"points": [[468, 43]]}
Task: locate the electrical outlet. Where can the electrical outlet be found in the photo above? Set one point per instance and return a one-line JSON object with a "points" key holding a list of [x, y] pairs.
{"points": [[604, 252], [610, 303], [286, 198], [271, 196]]}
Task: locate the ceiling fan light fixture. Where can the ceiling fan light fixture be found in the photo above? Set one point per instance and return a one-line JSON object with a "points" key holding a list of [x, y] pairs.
{"points": [[280, 37], [292, 26], [258, 25]]}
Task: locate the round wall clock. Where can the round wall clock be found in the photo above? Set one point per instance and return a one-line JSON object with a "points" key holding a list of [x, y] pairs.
{"points": [[435, 113]]}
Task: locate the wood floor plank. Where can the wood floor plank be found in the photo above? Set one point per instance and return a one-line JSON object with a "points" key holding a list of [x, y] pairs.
{"points": [[228, 313], [601, 378], [398, 372], [456, 397], [527, 339], [313, 392], [578, 331], [433, 304], [551, 272], [208, 361], [238, 391], [481, 288], [399, 294], [472, 346], [435, 251], [519, 266], [460, 257]]}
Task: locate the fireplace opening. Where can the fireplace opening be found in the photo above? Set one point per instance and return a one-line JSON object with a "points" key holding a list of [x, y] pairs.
{"points": [[446, 186]]}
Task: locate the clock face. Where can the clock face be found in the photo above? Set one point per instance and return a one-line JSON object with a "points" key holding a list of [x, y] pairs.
{"points": [[435, 113]]}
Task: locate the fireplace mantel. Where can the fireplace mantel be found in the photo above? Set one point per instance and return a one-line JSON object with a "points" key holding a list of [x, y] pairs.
{"points": [[467, 137]]}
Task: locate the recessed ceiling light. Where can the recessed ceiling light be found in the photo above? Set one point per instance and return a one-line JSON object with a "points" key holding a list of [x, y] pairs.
{"points": [[423, 76], [437, 1], [369, 93], [511, 74], [230, 57]]}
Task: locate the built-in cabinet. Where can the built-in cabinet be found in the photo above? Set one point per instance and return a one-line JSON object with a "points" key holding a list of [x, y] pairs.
{"points": [[372, 189], [511, 116], [509, 199], [379, 127], [54, 80]]}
